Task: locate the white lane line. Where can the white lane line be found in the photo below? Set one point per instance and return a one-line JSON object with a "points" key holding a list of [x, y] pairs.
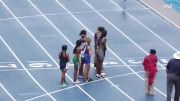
{"points": [[17, 57], [57, 91], [7, 92], [71, 67], [27, 94], [92, 34], [158, 13], [122, 75], [7, 62], [35, 61], [31, 69], [25, 67], [48, 36], [54, 68], [52, 14], [113, 85], [126, 37], [145, 27]]}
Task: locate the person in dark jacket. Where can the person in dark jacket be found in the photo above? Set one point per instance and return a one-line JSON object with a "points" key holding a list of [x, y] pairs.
{"points": [[173, 77]]}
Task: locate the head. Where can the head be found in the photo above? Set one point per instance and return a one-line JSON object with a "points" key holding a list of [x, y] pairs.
{"points": [[152, 51], [89, 40], [64, 47], [177, 55], [83, 33], [100, 31], [78, 43]]}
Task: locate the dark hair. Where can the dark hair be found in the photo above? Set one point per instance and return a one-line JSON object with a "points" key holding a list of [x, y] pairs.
{"points": [[83, 32], [78, 43], [101, 29], [153, 51], [104, 33], [64, 47]]}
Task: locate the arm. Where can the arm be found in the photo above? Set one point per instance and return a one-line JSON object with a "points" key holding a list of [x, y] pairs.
{"points": [[168, 66], [95, 39], [59, 55], [90, 50], [144, 61], [67, 54]]}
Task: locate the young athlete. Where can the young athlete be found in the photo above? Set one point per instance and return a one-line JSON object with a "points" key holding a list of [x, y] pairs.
{"points": [[76, 52], [100, 49], [87, 58], [83, 43], [64, 58]]}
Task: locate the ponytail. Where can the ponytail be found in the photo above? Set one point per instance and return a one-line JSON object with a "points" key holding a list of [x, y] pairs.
{"points": [[74, 51]]}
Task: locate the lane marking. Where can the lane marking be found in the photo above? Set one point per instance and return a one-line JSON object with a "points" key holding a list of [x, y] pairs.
{"points": [[52, 14], [7, 92], [24, 66], [146, 27], [17, 57], [8, 65], [57, 91], [27, 94], [53, 68], [48, 36], [39, 64]]}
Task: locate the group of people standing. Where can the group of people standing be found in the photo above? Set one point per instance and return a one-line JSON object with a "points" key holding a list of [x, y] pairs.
{"points": [[173, 74], [82, 55]]}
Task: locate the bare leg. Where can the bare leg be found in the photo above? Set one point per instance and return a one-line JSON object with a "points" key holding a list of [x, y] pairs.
{"points": [[81, 67], [75, 74]]}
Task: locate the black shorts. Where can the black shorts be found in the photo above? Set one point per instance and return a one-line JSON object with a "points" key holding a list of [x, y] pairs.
{"points": [[62, 65]]}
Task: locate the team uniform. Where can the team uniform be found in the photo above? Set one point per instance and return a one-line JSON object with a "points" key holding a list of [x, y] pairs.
{"points": [[63, 61]]}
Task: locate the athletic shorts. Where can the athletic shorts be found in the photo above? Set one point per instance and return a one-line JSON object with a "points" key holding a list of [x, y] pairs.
{"points": [[62, 65], [75, 61], [87, 59]]}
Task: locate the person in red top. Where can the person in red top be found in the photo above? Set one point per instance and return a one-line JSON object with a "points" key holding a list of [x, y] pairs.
{"points": [[150, 68]]}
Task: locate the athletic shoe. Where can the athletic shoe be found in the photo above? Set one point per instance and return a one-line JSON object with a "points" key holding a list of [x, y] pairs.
{"points": [[152, 94], [63, 85], [77, 82], [104, 74], [97, 75], [67, 83], [80, 76], [89, 80]]}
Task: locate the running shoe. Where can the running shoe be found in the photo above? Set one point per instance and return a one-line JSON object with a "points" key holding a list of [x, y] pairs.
{"points": [[77, 82], [80, 76], [63, 85]]}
